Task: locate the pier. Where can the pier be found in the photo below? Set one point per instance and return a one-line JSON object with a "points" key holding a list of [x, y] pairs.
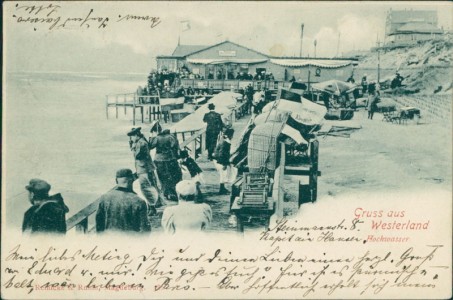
{"points": [[148, 106], [223, 206]]}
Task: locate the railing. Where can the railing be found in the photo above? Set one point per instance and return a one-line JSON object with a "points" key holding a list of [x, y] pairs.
{"points": [[229, 84], [195, 144], [134, 101], [434, 107], [118, 100]]}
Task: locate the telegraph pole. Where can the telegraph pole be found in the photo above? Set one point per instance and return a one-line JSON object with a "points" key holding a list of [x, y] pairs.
{"points": [[378, 66], [301, 38]]}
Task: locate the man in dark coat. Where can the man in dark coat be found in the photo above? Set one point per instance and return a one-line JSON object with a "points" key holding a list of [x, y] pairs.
{"points": [[166, 160], [144, 167], [249, 93], [213, 128], [222, 159], [121, 209], [47, 214]]}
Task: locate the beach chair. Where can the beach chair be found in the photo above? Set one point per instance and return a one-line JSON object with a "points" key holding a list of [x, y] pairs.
{"points": [[388, 113], [405, 114], [400, 118]]}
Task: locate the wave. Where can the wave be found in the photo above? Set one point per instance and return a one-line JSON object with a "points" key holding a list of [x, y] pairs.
{"points": [[75, 76]]}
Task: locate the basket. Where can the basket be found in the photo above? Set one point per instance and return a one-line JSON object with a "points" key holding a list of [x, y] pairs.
{"points": [[262, 147]]}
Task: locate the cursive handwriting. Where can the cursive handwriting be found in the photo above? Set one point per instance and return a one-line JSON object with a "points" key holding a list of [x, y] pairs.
{"points": [[284, 232], [55, 17], [266, 271], [154, 21]]}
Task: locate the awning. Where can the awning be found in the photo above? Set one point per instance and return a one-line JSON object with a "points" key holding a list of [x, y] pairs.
{"points": [[329, 64], [224, 102], [217, 61]]}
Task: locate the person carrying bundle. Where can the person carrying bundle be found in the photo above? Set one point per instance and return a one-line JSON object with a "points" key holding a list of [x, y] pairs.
{"points": [[195, 172]]}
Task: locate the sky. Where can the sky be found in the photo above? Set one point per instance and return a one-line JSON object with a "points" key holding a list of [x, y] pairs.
{"points": [[131, 45]]}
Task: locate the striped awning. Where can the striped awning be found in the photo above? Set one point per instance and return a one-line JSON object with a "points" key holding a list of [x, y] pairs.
{"points": [[217, 61], [329, 64]]}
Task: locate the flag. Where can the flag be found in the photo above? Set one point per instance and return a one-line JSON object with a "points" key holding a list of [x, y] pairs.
{"points": [[302, 30], [185, 25], [294, 134], [309, 113], [290, 96]]}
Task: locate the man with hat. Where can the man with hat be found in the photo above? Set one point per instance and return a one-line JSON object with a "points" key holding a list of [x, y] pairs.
{"points": [[144, 167], [222, 159], [47, 213], [121, 209], [187, 215], [213, 128], [166, 160]]}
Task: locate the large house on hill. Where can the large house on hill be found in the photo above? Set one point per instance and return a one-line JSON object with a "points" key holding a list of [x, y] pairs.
{"points": [[407, 27], [227, 59]]}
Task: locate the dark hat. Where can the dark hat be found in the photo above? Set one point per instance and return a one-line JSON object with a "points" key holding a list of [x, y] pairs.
{"points": [[124, 173], [228, 132], [155, 126], [38, 186], [134, 131], [211, 106]]}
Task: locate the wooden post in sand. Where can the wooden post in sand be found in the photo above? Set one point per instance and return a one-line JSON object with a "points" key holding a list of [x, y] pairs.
{"points": [[124, 102], [116, 106]]}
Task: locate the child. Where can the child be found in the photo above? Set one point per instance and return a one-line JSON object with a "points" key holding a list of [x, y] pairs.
{"points": [[195, 172]]}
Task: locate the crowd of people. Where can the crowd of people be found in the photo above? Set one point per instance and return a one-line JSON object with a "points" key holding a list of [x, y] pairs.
{"points": [[162, 81], [160, 180], [256, 100], [242, 75]]}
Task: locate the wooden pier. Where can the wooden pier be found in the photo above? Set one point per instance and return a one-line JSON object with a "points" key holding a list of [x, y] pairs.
{"points": [[194, 142], [223, 205], [148, 106]]}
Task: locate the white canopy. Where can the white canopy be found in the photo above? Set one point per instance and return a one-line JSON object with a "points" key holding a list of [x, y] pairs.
{"points": [[224, 103], [321, 63], [216, 61]]}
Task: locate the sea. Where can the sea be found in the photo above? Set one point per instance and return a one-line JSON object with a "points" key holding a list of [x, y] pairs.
{"points": [[55, 128]]}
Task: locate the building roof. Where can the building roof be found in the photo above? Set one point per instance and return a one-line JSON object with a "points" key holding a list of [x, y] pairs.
{"points": [[417, 27], [184, 50], [209, 61], [404, 16], [329, 64], [226, 41]]}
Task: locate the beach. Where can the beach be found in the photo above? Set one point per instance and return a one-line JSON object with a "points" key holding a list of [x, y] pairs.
{"points": [[56, 129]]}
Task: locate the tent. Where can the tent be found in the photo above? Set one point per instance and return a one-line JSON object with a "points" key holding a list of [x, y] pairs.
{"points": [[224, 103]]}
